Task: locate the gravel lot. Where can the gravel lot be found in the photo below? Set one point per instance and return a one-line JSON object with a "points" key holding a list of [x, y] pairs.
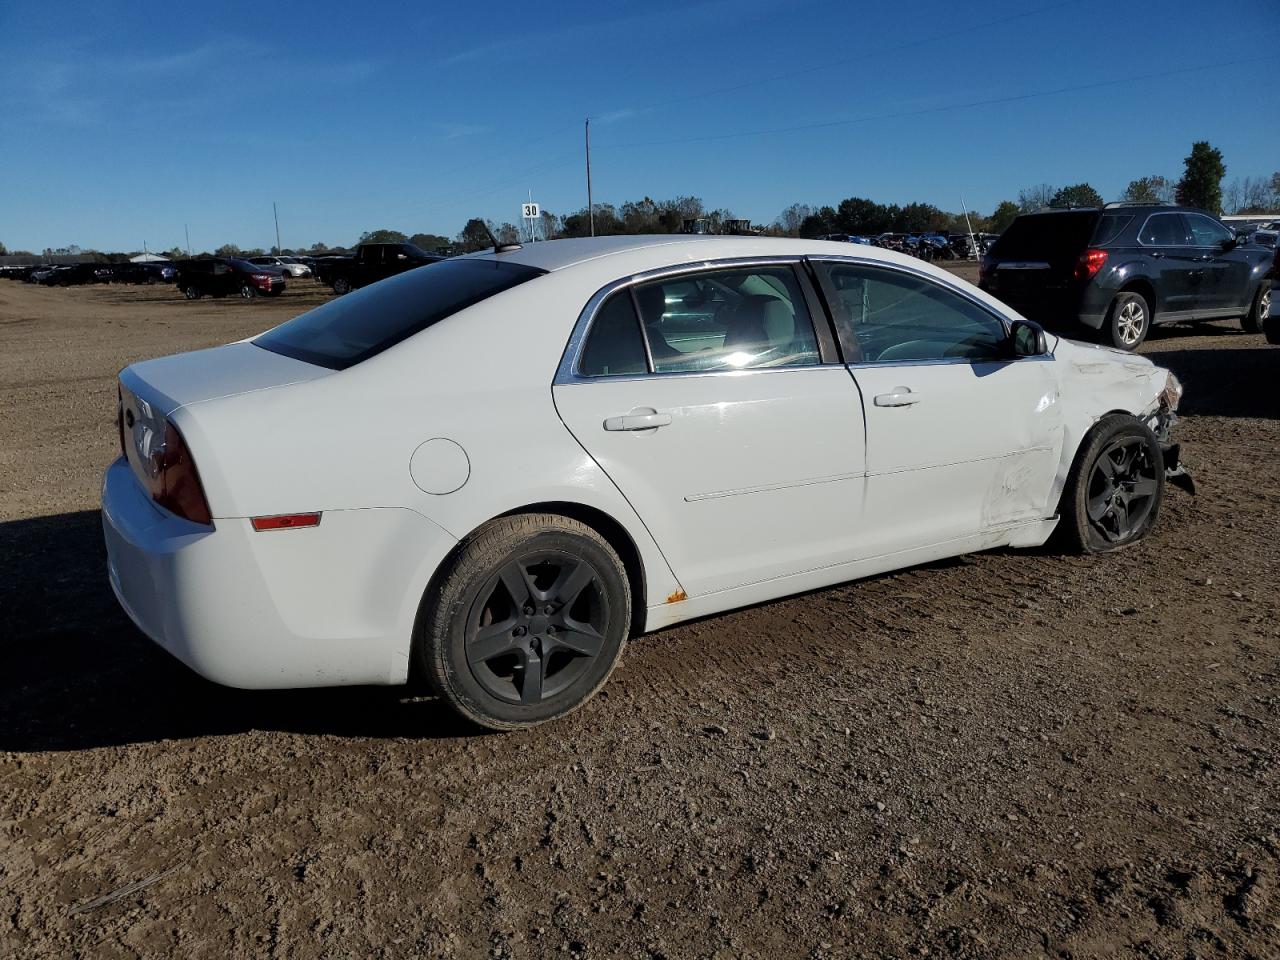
{"points": [[1016, 754]]}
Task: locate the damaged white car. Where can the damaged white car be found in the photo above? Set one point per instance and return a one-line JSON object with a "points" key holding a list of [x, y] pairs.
{"points": [[490, 472]]}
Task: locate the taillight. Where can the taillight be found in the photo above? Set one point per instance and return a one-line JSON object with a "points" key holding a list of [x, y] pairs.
{"points": [[174, 481], [1090, 263]]}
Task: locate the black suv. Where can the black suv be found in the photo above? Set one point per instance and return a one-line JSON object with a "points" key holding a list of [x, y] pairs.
{"points": [[219, 276], [1123, 267]]}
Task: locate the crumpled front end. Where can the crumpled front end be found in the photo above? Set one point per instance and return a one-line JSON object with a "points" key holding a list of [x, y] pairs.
{"points": [[1161, 419]]}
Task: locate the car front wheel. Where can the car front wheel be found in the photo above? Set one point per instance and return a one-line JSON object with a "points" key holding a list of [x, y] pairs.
{"points": [[191, 293], [341, 286], [1128, 321], [247, 292], [1113, 494], [527, 623], [1256, 318]]}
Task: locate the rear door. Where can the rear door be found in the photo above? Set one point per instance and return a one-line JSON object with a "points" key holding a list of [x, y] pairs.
{"points": [[1165, 239], [961, 438], [725, 418], [1225, 284]]}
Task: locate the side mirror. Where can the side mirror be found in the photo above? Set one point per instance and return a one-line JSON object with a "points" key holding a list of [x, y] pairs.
{"points": [[1230, 243], [1027, 339]]}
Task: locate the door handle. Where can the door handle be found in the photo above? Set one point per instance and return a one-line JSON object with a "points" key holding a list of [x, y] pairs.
{"points": [[897, 397], [641, 418], [1156, 255]]}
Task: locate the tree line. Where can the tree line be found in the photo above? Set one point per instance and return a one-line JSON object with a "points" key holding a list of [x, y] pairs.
{"points": [[1201, 185]]}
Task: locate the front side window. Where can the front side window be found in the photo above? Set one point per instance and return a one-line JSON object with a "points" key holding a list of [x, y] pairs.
{"points": [[731, 319], [352, 328], [1206, 232], [898, 317], [1164, 230]]}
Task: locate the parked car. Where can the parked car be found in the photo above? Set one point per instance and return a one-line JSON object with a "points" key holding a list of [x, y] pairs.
{"points": [[1271, 326], [149, 273], [283, 264], [1122, 268], [220, 276], [370, 263], [490, 472]]}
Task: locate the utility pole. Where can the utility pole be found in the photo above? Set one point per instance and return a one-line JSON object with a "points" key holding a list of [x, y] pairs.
{"points": [[973, 241], [275, 213], [187, 232], [591, 210]]}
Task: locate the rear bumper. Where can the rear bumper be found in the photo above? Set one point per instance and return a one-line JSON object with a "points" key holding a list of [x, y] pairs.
{"points": [[328, 606], [1063, 307]]}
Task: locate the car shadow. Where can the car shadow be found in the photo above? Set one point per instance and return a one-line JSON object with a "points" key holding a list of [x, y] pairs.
{"points": [[1223, 382], [75, 672]]}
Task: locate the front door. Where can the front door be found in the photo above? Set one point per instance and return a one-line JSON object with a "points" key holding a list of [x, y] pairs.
{"points": [[1165, 239], [707, 399], [1225, 284], [961, 439]]}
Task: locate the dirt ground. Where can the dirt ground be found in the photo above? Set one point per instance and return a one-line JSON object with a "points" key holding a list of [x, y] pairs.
{"points": [[1015, 754]]}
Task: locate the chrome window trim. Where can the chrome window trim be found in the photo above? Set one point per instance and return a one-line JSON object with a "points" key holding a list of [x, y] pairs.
{"points": [[949, 286], [567, 371]]}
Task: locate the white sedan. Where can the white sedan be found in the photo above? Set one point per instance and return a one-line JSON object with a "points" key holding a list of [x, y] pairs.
{"points": [[490, 472], [284, 264]]}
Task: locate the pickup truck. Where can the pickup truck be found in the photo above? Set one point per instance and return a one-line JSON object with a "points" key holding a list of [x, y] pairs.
{"points": [[370, 263]]}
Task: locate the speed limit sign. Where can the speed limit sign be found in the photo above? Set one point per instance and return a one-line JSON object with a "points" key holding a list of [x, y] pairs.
{"points": [[529, 211]]}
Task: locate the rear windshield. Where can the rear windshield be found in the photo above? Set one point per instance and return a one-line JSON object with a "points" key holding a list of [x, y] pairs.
{"points": [[352, 328], [1046, 236]]}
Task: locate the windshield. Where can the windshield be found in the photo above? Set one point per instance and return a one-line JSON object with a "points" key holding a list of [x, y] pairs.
{"points": [[354, 327]]}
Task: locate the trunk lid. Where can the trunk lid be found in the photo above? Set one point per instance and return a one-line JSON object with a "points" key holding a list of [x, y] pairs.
{"points": [[168, 383]]}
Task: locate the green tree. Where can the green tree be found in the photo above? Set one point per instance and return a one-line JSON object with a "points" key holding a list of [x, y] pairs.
{"points": [[1077, 195], [429, 241], [1002, 216], [821, 221], [382, 236], [1153, 189], [474, 236], [1201, 184], [227, 250], [789, 220]]}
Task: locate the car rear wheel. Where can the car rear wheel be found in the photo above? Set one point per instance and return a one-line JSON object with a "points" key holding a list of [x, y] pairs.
{"points": [[1254, 320], [341, 285], [247, 292], [1113, 494], [1128, 321], [527, 623], [191, 293]]}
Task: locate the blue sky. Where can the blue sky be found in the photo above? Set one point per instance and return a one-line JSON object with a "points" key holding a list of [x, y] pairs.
{"points": [[120, 123]]}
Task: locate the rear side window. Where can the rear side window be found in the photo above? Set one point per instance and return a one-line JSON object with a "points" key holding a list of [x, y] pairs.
{"points": [[1164, 230], [1110, 226], [1047, 236], [734, 319], [614, 347], [357, 326]]}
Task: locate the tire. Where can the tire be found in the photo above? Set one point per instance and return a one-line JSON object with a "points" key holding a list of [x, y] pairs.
{"points": [[497, 664], [1101, 508], [192, 293], [1253, 321], [1128, 321], [247, 292], [341, 285]]}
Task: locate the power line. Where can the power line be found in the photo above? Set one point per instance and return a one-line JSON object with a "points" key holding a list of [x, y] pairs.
{"points": [[991, 101], [860, 58]]}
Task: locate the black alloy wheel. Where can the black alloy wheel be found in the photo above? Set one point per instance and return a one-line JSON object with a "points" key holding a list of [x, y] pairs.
{"points": [[527, 622], [1123, 487], [536, 626], [1113, 494]]}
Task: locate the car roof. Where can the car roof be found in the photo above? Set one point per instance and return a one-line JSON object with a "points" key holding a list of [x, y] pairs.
{"points": [[552, 255]]}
